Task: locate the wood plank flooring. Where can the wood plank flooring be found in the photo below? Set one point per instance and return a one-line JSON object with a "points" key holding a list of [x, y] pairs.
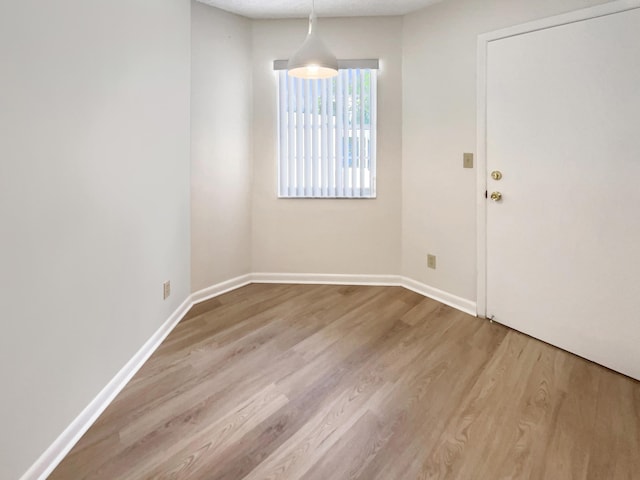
{"points": [[337, 382]]}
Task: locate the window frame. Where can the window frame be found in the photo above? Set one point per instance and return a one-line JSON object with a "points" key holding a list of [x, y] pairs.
{"points": [[337, 182]]}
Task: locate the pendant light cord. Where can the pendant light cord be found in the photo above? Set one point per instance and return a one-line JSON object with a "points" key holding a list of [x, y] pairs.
{"points": [[312, 17]]}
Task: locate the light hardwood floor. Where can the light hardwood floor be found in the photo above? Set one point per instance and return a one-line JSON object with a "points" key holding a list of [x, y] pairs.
{"points": [[336, 382]]}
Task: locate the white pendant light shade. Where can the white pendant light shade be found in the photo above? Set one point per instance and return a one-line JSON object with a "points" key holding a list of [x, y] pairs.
{"points": [[313, 59]]}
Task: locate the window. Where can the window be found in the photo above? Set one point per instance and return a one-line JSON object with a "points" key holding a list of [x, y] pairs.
{"points": [[327, 135]]}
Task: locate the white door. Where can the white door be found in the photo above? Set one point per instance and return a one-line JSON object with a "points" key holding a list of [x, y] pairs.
{"points": [[563, 244]]}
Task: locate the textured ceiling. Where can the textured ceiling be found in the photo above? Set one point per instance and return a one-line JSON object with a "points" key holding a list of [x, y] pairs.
{"points": [[324, 8]]}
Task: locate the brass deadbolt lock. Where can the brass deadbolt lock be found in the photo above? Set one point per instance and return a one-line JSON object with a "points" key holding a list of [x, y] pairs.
{"points": [[496, 175]]}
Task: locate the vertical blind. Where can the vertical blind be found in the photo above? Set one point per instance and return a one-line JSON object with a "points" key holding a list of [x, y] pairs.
{"points": [[327, 135]]}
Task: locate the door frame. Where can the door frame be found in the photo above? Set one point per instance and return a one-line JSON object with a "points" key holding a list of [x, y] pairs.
{"points": [[610, 8]]}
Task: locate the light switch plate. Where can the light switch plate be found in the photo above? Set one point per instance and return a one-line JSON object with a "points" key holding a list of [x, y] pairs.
{"points": [[467, 160]]}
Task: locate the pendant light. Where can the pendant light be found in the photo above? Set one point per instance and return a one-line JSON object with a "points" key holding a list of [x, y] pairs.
{"points": [[313, 59]]}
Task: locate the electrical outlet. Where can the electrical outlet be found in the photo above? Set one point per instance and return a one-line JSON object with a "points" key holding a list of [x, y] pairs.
{"points": [[467, 160], [166, 289], [431, 261]]}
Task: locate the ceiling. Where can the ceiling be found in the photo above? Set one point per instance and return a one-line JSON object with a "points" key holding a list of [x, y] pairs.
{"points": [[324, 8]]}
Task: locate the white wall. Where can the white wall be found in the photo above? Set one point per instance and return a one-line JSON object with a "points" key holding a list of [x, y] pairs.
{"points": [[439, 112], [221, 103], [94, 201], [328, 236]]}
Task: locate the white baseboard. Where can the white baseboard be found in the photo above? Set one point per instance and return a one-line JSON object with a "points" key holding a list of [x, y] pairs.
{"points": [[447, 298], [325, 279], [50, 459], [53, 455], [462, 304], [219, 289]]}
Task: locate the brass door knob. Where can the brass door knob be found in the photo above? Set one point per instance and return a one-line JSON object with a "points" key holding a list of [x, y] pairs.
{"points": [[496, 196]]}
